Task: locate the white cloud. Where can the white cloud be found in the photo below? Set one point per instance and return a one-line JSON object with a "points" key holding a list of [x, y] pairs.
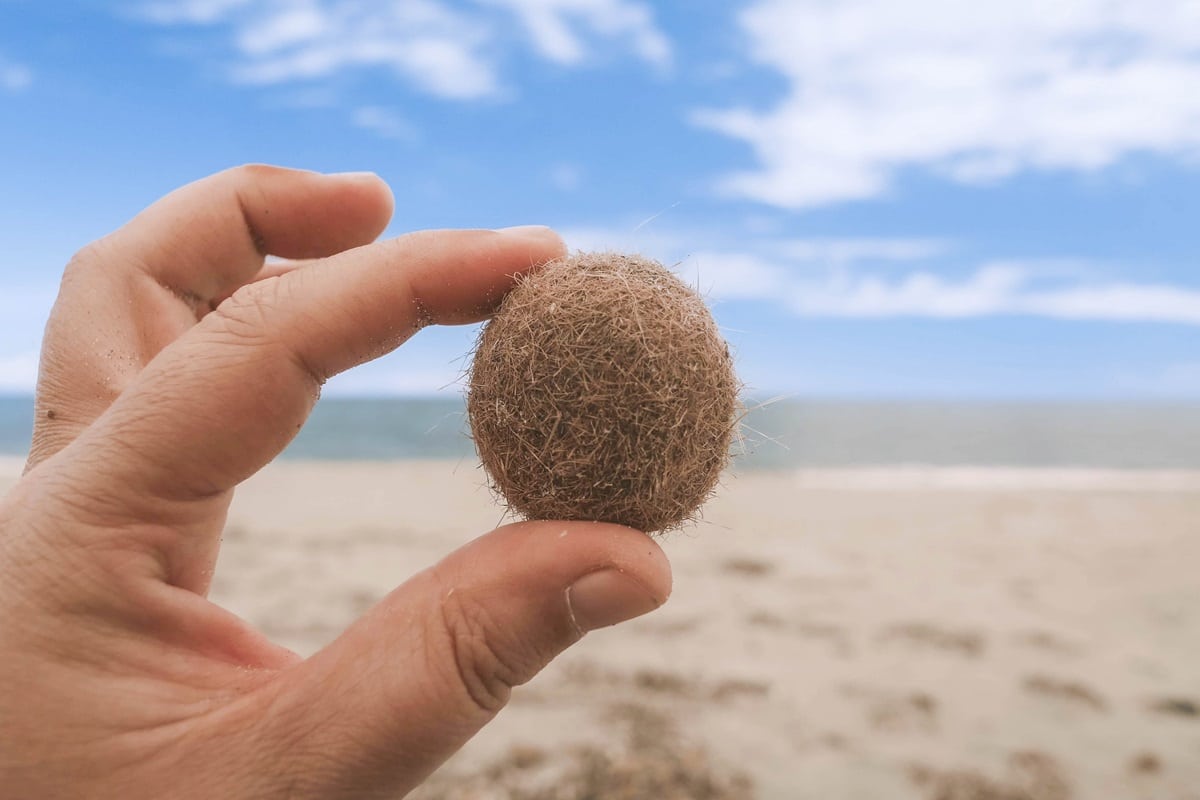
{"points": [[1119, 302], [548, 23], [445, 50], [770, 273], [168, 12], [18, 373], [918, 294], [288, 28], [386, 123], [732, 276], [973, 91], [432, 47], [673, 242], [14, 77], [889, 277], [991, 290]]}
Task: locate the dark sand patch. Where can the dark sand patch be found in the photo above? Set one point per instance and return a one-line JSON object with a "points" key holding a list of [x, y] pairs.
{"points": [[1031, 776], [1071, 691], [1145, 764], [664, 684], [897, 712], [1176, 706], [654, 761], [729, 690], [968, 643], [1048, 642], [765, 619], [748, 567]]}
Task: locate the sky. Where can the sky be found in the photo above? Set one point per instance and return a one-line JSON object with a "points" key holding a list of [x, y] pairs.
{"points": [[994, 199]]}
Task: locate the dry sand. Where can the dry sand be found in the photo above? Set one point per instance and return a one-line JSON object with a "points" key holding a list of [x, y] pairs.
{"points": [[935, 634]]}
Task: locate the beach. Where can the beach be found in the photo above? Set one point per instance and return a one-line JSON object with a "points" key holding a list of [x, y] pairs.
{"points": [[937, 633]]}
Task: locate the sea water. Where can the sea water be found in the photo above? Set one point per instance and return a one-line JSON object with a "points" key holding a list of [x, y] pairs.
{"points": [[787, 434]]}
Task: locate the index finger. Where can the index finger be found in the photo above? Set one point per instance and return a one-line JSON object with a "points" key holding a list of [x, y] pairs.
{"points": [[224, 399], [125, 297]]}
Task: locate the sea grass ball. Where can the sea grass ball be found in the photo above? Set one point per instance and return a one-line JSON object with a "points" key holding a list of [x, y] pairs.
{"points": [[602, 390]]}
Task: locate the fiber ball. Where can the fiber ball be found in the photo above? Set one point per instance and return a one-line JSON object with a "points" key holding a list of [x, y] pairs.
{"points": [[602, 390]]}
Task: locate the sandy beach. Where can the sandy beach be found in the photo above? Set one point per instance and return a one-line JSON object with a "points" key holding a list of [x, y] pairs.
{"points": [[945, 634]]}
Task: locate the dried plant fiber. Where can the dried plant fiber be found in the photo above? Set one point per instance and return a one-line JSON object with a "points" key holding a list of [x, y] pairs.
{"points": [[602, 390]]}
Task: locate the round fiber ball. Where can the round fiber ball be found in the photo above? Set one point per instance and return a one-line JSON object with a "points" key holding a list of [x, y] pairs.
{"points": [[602, 390]]}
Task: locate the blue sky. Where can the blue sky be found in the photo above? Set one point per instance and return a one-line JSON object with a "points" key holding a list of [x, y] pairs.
{"points": [[930, 198]]}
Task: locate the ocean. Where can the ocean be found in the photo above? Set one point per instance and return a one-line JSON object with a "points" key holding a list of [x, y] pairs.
{"points": [[788, 434]]}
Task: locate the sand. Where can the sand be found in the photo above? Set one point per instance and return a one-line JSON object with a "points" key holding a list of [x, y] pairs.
{"points": [[942, 634]]}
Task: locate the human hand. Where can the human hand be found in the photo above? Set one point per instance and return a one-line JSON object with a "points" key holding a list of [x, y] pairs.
{"points": [[176, 365]]}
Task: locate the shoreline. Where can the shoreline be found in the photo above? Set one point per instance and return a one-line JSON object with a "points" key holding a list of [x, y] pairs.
{"points": [[861, 478]]}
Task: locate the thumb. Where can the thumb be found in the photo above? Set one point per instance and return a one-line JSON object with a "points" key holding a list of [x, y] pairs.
{"points": [[409, 683]]}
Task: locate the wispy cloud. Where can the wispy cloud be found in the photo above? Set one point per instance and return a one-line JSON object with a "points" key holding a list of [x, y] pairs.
{"points": [[995, 289], [1125, 302], [14, 77], [386, 123], [169, 12], [891, 277], [820, 252], [973, 91], [559, 28], [432, 47], [450, 50]]}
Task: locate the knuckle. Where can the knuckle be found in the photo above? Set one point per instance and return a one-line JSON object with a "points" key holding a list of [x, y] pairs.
{"points": [[87, 259], [251, 173], [255, 316], [246, 315], [484, 671]]}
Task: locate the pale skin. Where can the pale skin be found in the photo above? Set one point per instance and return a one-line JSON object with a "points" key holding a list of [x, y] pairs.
{"points": [[176, 365]]}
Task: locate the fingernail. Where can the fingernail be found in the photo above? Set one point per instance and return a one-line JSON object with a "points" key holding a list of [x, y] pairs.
{"points": [[526, 231], [604, 598]]}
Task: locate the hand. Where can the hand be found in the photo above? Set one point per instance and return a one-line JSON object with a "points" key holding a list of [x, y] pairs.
{"points": [[176, 365]]}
